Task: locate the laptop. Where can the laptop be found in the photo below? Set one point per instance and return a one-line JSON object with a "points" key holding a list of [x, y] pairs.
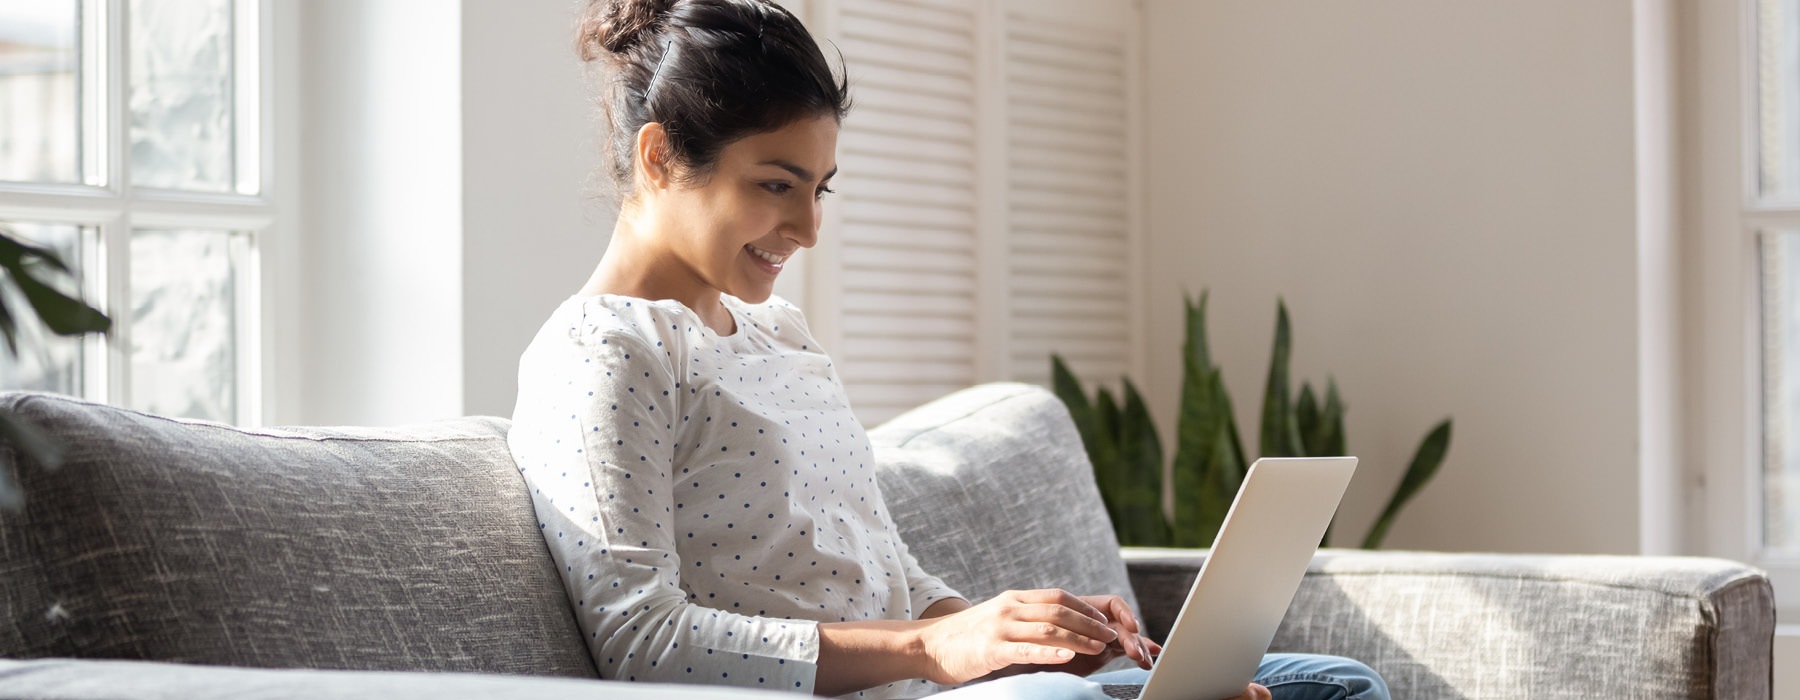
{"points": [[1244, 588]]}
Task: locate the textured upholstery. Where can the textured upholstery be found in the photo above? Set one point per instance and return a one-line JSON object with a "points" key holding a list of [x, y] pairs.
{"points": [[416, 548], [350, 548], [1516, 626], [63, 679], [992, 491]]}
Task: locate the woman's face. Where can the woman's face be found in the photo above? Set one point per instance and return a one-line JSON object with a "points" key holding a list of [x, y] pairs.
{"points": [[735, 230]]}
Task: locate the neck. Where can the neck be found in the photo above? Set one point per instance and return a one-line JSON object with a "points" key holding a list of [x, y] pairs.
{"points": [[634, 265]]}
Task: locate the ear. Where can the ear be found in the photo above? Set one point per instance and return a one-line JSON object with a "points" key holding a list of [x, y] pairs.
{"points": [[655, 169]]}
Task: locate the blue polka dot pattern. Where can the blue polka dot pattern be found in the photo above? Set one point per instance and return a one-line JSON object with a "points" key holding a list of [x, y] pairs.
{"points": [[708, 498]]}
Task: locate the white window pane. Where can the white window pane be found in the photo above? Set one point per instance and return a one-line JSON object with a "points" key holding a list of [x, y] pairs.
{"points": [[46, 361], [1781, 388], [40, 117], [184, 321], [181, 99], [1778, 95]]}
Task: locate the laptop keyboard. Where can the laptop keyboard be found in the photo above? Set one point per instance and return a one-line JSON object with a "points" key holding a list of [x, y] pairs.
{"points": [[1123, 692]]}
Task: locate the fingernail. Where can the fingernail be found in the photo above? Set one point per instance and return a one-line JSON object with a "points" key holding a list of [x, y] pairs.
{"points": [[1064, 653]]}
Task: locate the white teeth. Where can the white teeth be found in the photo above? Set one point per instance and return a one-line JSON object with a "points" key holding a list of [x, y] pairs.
{"points": [[766, 255]]}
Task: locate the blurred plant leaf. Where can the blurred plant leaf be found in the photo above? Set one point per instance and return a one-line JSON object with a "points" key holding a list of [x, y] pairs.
{"points": [[22, 264], [61, 313], [1280, 434], [1424, 465], [1140, 475]]}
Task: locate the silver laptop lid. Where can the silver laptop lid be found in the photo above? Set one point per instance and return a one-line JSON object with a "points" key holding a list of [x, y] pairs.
{"points": [[1244, 588]]}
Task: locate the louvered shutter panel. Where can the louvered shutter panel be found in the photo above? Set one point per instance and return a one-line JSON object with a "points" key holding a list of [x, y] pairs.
{"points": [[904, 318], [1072, 256]]}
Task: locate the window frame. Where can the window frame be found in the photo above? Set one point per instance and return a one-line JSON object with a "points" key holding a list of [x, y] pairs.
{"points": [[109, 207], [1728, 213]]}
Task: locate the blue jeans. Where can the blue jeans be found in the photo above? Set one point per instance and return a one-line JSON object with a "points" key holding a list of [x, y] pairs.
{"points": [[1288, 677]]}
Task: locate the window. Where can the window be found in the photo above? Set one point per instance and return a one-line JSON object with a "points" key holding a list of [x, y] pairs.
{"points": [[1744, 305], [1773, 206], [133, 140]]}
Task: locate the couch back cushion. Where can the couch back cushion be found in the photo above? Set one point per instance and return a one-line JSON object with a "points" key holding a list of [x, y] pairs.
{"points": [[992, 491], [409, 548]]}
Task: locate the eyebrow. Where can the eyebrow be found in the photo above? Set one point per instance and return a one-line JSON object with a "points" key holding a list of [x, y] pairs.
{"points": [[798, 171]]}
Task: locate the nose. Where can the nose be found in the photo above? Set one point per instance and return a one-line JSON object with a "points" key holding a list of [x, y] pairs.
{"points": [[802, 224]]}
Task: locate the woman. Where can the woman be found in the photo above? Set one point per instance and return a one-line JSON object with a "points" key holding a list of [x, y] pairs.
{"points": [[699, 476]]}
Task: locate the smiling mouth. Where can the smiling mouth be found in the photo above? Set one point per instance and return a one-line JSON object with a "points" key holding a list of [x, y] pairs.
{"points": [[766, 256]]}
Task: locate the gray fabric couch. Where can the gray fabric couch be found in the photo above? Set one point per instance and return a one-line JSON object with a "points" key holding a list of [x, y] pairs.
{"points": [[173, 558]]}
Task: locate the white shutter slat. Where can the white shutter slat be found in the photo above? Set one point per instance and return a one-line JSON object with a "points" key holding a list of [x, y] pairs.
{"points": [[907, 153], [1068, 197], [920, 327], [891, 372], [864, 138], [900, 308], [900, 15], [911, 80], [909, 259], [860, 210], [886, 279], [883, 238], [884, 99]]}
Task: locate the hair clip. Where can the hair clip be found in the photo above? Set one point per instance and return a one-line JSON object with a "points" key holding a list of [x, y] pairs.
{"points": [[650, 87]]}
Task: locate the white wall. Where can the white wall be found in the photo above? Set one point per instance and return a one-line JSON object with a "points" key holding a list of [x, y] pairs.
{"points": [[533, 226], [445, 163], [1444, 194], [380, 254]]}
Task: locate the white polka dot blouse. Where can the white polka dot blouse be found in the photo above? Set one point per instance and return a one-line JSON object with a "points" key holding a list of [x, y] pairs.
{"points": [[708, 499]]}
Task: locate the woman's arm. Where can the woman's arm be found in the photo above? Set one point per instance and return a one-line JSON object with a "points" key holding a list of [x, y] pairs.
{"points": [[955, 642]]}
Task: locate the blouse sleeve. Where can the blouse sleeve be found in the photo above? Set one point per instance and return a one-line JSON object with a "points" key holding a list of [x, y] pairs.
{"points": [[600, 460], [924, 589]]}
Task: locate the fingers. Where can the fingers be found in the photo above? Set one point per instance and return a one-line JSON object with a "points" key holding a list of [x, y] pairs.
{"points": [[1068, 633], [1115, 609], [1039, 654], [1254, 692], [1053, 596]]}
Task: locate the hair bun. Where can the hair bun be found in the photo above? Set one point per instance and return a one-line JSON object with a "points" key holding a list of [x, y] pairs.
{"points": [[615, 26]]}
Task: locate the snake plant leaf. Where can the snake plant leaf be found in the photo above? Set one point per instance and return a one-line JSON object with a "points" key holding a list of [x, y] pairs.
{"points": [[1424, 465], [1106, 407], [1223, 472], [1306, 420], [1140, 477], [1332, 442], [1280, 434], [1196, 418], [28, 440], [1095, 437]]}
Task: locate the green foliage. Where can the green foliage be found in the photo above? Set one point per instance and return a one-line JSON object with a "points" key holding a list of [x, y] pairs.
{"points": [[33, 270], [1209, 462]]}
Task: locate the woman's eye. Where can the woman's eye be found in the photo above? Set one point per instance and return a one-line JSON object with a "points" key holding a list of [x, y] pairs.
{"points": [[823, 190], [778, 187]]}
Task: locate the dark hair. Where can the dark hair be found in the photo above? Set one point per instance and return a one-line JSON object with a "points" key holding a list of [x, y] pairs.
{"points": [[710, 71]]}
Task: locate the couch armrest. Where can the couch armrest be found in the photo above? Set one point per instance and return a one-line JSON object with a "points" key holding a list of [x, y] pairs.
{"points": [[94, 679], [1513, 626]]}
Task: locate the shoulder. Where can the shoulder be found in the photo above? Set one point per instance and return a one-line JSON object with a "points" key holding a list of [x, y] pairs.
{"points": [[615, 326]]}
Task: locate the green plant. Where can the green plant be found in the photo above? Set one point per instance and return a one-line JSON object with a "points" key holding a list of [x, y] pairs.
{"points": [[1210, 461], [33, 271]]}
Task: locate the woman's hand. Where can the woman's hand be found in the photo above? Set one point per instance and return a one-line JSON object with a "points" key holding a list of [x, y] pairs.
{"points": [[1254, 692], [1041, 628], [1128, 642]]}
